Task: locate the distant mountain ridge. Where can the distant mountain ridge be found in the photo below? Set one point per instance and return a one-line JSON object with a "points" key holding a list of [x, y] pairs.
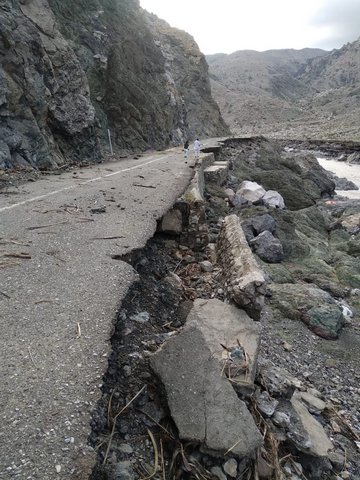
{"points": [[289, 93]]}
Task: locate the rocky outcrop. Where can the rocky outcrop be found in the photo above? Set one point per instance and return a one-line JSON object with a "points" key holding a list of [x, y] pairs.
{"points": [[298, 178], [69, 71], [187, 84], [308, 303], [46, 115]]}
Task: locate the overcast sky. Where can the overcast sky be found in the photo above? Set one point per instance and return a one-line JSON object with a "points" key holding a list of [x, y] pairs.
{"points": [[229, 25]]}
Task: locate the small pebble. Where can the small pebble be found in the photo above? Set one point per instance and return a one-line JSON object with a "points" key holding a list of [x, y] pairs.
{"points": [[230, 467], [126, 448]]}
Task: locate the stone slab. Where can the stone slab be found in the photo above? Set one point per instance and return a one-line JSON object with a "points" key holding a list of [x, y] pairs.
{"points": [[217, 173], [227, 325], [314, 440], [203, 404]]}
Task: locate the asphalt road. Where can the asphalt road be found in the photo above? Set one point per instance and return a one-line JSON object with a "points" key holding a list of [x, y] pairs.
{"points": [[60, 289]]}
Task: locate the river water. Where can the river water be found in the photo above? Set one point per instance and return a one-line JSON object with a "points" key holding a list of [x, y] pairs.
{"points": [[343, 169]]}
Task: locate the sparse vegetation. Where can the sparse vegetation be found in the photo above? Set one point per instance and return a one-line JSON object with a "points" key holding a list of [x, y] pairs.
{"points": [[281, 93]]}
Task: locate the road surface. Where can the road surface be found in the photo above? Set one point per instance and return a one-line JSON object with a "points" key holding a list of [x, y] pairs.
{"points": [[60, 290]]}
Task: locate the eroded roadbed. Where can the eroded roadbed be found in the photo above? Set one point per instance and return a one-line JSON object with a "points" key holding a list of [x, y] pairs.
{"points": [[190, 393], [61, 286]]}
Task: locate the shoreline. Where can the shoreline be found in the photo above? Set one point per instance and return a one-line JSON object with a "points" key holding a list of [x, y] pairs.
{"points": [[343, 169]]}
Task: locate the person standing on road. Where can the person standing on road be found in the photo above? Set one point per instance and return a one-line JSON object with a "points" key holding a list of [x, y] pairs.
{"points": [[197, 146], [186, 148]]}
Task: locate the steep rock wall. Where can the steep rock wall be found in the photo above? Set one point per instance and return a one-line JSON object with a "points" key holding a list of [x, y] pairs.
{"points": [[187, 81], [45, 108], [69, 71]]}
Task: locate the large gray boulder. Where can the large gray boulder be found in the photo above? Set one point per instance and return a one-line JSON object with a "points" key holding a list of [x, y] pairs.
{"points": [[244, 280], [310, 304], [273, 199], [202, 402], [255, 225], [291, 299], [268, 247], [325, 320], [251, 191]]}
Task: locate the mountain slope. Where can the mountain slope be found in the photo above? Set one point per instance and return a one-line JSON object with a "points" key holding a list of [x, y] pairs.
{"points": [[336, 78], [69, 71], [252, 87], [286, 93], [339, 68]]}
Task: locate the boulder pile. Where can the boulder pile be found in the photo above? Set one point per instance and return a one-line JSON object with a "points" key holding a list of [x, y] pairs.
{"points": [[241, 411]]}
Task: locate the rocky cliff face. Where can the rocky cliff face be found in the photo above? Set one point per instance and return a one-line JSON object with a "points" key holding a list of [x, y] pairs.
{"points": [[339, 68], [290, 94], [45, 107], [69, 71], [187, 81], [336, 78]]}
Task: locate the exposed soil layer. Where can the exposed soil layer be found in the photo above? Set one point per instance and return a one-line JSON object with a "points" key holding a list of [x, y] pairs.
{"points": [[153, 310]]}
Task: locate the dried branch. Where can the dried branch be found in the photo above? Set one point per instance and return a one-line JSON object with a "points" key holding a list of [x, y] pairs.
{"points": [[24, 255], [156, 456], [37, 227]]}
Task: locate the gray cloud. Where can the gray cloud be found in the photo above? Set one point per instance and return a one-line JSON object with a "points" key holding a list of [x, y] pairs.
{"points": [[342, 17]]}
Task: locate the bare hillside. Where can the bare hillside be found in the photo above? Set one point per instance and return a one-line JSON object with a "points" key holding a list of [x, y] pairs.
{"points": [[290, 93]]}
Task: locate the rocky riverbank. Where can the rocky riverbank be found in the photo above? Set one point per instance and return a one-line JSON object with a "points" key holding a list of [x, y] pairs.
{"points": [[165, 412]]}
